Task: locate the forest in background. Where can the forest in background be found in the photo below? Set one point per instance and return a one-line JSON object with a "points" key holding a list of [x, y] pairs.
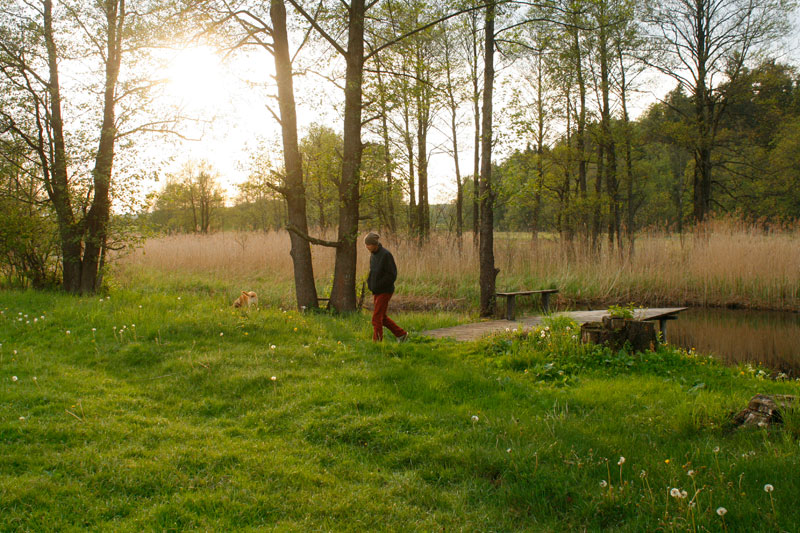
{"points": [[725, 141]]}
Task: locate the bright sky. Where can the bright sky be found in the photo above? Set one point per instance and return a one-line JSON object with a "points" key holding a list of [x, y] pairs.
{"points": [[231, 98]]}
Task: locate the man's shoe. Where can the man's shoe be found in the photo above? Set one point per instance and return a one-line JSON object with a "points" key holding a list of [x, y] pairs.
{"points": [[403, 338]]}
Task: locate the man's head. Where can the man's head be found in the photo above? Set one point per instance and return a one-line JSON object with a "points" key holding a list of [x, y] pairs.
{"points": [[372, 241]]}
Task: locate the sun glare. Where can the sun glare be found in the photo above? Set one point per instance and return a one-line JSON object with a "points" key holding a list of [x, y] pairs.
{"points": [[197, 78]]}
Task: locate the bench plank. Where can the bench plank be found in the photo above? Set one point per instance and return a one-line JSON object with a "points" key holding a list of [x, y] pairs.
{"points": [[523, 293], [511, 300]]}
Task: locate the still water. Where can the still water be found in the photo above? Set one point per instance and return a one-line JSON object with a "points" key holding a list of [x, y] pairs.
{"points": [[771, 338]]}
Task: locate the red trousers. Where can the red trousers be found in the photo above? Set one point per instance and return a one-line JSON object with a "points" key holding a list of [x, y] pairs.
{"points": [[379, 318]]}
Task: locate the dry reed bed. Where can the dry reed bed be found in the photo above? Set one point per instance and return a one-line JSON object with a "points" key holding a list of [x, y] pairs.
{"points": [[728, 265]]}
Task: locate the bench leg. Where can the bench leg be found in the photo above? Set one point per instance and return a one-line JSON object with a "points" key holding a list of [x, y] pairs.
{"points": [[546, 302], [662, 326], [511, 304]]}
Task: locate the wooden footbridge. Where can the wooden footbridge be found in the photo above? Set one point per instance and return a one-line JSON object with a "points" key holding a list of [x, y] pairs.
{"points": [[474, 331]]}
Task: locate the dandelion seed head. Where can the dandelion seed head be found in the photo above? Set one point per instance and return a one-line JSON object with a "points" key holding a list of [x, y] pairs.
{"points": [[675, 493], [690, 473], [274, 378], [272, 347], [14, 378], [721, 511], [604, 483], [474, 418], [768, 488], [621, 461]]}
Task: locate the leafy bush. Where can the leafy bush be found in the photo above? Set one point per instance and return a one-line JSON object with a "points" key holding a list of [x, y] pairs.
{"points": [[28, 245]]}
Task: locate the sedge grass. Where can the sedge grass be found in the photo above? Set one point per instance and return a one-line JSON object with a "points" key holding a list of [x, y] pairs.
{"points": [[724, 264], [158, 411]]}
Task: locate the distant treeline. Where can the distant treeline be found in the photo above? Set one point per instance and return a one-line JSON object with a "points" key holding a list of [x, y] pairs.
{"points": [[756, 169]]}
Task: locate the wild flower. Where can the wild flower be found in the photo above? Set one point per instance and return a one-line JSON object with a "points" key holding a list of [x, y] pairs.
{"points": [[221, 334], [642, 474], [67, 332], [14, 378], [475, 418], [604, 483], [508, 450], [274, 378], [621, 461], [22, 419], [675, 493], [716, 449], [666, 461], [272, 346], [684, 494], [721, 511], [768, 489], [690, 473]]}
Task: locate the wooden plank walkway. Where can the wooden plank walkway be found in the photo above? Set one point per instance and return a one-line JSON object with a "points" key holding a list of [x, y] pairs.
{"points": [[474, 331]]}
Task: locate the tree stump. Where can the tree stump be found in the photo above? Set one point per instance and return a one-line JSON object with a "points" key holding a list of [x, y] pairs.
{"points": [[617, 332], [764, 410]]}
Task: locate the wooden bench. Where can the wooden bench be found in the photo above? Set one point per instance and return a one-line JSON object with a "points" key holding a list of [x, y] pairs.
{"points": [[511, 300]]}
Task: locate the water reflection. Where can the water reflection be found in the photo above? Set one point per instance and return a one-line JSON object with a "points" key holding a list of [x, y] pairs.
{"points": [[738, 336]]}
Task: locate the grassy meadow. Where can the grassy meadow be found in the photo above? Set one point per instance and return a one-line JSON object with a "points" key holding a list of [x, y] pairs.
{"points": [[155, 406], [164, 410]]}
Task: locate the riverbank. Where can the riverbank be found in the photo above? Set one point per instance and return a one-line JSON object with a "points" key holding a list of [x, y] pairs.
{"points": [[164, 409]]}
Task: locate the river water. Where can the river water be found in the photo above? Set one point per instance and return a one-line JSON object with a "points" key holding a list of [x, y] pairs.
{"points": [[771, 338]]}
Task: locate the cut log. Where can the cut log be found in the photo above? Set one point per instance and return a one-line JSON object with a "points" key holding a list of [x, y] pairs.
{"points": [[765, 410]]}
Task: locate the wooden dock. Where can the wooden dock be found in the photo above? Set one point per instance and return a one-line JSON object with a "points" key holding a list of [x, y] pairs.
{"points": [[474, 331]]}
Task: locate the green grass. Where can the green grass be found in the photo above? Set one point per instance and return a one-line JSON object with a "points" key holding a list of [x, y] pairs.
{"points": [[157, 411]]}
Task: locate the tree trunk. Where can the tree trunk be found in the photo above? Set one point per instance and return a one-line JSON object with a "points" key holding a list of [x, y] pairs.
{"points": [[488, 272], [387, 159], [607, 136], [69, 231], [305, 288], [629, 229], [423, 207], [476, 108], [343, 293]]}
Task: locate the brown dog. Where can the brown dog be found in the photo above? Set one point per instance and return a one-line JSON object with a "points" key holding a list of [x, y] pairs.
{"points": [[246, 299]]}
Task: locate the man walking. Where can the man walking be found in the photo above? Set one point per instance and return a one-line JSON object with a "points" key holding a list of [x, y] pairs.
{"points": [[382, 274]]}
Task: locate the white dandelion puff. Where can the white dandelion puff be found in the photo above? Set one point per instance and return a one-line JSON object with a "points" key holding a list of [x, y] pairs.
{"points": [[768, 488], [721, 511]]}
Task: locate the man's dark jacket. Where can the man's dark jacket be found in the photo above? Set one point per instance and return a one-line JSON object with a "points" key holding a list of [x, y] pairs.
{"points": [[382, 271]]}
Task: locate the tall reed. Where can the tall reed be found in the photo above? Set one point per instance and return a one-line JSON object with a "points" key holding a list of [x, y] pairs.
{"points": [[726, 263]]}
